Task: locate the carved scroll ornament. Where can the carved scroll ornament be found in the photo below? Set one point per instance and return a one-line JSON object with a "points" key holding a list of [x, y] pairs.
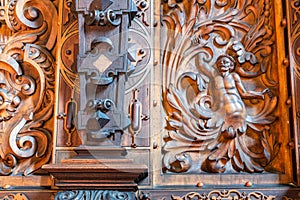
{"points": [[230, 194], [95, 194], [218, 86], [27, 85], [17, 196]]}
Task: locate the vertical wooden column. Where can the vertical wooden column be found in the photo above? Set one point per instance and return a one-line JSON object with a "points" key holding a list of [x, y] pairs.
{"points": [[293, 36]]}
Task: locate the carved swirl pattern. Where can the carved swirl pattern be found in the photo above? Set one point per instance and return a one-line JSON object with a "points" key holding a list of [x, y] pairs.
{"points": [[18, 196], [143, 6], [27, 75], [218, 86], [230, 194], [95, 194], [295, 5]]}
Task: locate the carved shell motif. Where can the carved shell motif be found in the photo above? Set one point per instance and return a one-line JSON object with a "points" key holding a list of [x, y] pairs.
{"points": [[27, 75], [218, 89]]}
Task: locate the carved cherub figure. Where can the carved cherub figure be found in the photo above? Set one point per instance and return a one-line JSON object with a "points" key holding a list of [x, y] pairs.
{"points": [[228, 91]]}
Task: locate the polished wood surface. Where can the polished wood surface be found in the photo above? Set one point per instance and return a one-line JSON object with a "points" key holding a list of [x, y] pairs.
{"points": [[200, 96]]}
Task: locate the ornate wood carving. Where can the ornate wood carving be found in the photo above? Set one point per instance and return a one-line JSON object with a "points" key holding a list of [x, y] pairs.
{"points": [[28, 35], [17, 196], [293, 28], [95, 195], [225, 194], [104, 62], [219, 86]]}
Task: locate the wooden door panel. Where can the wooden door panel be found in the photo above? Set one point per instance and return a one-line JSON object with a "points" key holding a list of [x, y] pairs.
{"points": [[224, 95]]}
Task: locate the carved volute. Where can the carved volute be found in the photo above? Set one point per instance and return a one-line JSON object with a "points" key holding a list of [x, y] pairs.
{"points": [[27, 76]]}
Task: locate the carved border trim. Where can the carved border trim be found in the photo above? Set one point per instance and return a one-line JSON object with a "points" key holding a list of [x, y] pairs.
{"points": [[217, 194], [95, 194]]}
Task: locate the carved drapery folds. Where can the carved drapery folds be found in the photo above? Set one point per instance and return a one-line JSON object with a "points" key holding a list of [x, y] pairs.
{"points": [[219, 87], [27, 76]]}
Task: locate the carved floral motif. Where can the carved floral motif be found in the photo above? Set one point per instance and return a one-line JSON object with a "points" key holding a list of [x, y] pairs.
{"points": [[218, 86], [27, 76]]}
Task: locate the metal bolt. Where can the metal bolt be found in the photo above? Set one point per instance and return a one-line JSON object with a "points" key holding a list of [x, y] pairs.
{"points": [[154, 103]]}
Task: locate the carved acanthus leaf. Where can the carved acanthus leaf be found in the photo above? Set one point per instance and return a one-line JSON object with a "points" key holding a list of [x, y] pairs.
{"points": [[212, 48], [27, 86]]}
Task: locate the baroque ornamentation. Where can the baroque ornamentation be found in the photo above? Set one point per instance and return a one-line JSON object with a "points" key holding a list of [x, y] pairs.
{"points": [[27, 76], [295, 34], [143, 6], [295, 5], [18, 196], [230, 194], [218, 88], [104, 16], [95, 194]]}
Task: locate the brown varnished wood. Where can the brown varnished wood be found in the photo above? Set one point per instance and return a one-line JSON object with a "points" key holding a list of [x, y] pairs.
{"points": [[196, 128]]}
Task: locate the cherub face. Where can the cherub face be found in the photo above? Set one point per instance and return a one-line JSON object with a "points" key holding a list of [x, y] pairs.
{"points": [[224, 64]]}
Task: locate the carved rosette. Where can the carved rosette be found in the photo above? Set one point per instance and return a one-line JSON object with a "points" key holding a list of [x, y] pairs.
{"points": [[219, 86], [27, 75]]}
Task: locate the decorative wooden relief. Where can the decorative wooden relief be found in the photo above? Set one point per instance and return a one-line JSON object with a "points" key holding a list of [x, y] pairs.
{"points": [[230, 194], [293, 11], [137, 88], [27, 71], [105, 59], [94, 194], [18, 196], [220, 87], [69, 81]]}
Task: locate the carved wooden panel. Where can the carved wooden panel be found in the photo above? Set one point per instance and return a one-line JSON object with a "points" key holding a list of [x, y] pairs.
{"points": [[28, 35], [69, 82], [210, 92], [223, 89]]}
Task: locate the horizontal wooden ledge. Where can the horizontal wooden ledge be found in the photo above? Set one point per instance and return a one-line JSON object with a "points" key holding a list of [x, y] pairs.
{"points": [[7, 182]]}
